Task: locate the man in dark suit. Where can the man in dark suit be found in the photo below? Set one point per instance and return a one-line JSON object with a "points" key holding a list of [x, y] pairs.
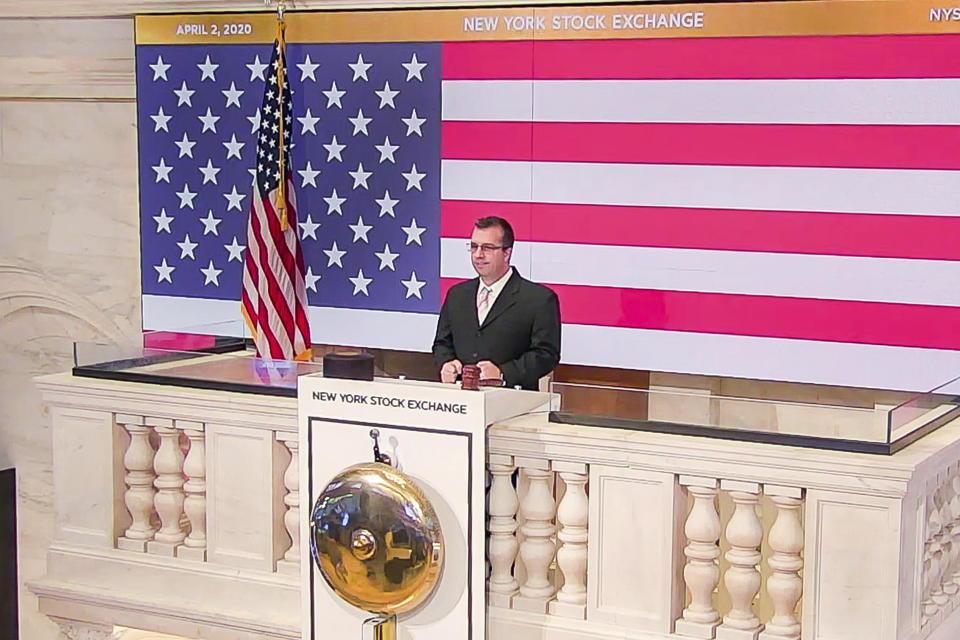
{"points": [[508, 326]]}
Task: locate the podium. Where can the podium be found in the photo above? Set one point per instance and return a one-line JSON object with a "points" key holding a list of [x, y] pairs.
{"points": [[434, 433]]}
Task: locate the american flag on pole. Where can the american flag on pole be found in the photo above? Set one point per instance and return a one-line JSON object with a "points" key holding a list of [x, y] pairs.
{"points": [[274, 293], [779, 208]]}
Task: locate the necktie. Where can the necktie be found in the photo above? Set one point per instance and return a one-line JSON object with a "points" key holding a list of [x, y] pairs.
{"points": [[483, 304]]}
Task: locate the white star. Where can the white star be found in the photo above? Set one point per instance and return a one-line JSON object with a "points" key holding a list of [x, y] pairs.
{"points": [[333, 203], [360, 230], [413, 285], [360, 68], [209, 121], [414, 178], [334, 149], [233, 147], [164, 271], [160, 121], [360, 123], [387, 95], [163, 221], [360, 176], [234, 199], [254, 121], [208, 70], [333, 95], [309, 175], [414, 123], [308, 229], [209, 172], [186, 196], [185, 145], [387, 204], [163, 171], [211, 275], [235, 249], [386, 150], [210, 223], [257, 68], [187, 247], [310, 279], [307, 68], [414, 67], [232, 95], [360, 283], [184, 94], [334, 255], [414, 232], [159, 69], [386, 258], [309, 123]]}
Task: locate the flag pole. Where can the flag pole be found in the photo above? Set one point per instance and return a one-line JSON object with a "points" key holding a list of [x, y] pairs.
{"points": [[281, 72]]}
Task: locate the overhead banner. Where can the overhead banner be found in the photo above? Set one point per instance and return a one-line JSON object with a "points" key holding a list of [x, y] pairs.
{"points": [[761, 190]]}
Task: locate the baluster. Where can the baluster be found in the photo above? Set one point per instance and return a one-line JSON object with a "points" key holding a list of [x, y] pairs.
{"points": [[168, 463], [784, 585], [537, 549], [291, 518], [195, 493], [742, 579], [572, 518], [138, 498], [701, 573], [502, 526]]}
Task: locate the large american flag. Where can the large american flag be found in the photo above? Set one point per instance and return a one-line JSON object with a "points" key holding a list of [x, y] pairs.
{"points": [[274, 281], [770, 207]]}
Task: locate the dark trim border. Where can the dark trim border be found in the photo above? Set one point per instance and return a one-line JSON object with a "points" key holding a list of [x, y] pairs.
{"points": [[467, 435]]}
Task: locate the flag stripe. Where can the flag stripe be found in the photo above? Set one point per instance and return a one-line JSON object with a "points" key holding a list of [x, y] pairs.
{"points": [[844, 234], [851, 146], [886, 56], [934, 101], [926, 282], [886, 191], [764, 316]]}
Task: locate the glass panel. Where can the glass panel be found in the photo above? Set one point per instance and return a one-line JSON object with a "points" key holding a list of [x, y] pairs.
{"points": [[939, 405]]}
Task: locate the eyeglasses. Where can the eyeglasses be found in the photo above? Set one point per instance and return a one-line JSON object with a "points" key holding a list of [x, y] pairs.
{"points": [[473, 247]]}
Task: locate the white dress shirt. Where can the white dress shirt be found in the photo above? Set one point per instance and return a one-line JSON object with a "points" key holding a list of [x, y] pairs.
{"points": [[495, 290]]}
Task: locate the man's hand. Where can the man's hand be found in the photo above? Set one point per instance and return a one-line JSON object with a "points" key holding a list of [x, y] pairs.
{"points": [[489, 370], [450, 370]]}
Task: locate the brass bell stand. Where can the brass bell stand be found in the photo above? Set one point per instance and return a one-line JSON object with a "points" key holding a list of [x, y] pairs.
{"points": [[380, 628]]}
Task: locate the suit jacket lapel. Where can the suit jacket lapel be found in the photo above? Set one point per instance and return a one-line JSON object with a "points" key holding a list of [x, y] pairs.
{"points": [[506, 299], [474, 288]]}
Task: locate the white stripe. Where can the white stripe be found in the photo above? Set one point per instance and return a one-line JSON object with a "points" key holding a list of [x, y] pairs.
{"points": [[833, 363], [872, 366], [348, 327], [932, 282], [790, 101], [887, 191]]}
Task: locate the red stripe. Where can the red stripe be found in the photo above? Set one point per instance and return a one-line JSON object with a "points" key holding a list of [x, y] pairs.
{"points": [[501, 60], [765, 316], [842, 234], [787, 145], [884, 56]]}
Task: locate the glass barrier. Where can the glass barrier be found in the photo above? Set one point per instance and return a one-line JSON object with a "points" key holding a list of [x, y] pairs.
{"points": [[864, 421]]}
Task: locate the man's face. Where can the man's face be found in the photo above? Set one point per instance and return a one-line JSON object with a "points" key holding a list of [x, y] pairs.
{"points": [[489, 264]]}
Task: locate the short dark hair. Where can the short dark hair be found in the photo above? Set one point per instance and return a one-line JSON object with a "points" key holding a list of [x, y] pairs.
{"points": [[497, 221]]}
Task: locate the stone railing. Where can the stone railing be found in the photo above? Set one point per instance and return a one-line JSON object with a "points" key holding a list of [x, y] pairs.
{"points": [[178, 512]]}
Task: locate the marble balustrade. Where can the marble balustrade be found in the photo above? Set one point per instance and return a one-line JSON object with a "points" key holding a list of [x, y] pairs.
{"points": [[178, 512]]}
